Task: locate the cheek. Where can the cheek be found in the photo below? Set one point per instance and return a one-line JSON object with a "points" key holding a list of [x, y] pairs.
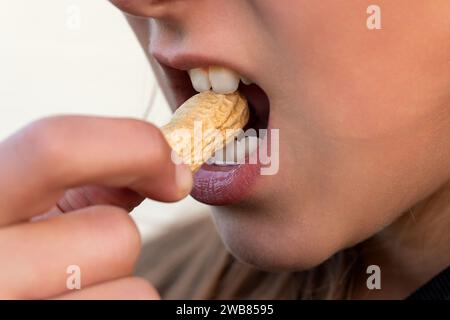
{"points": [[364, 128], [349, 81], [339, 197]]}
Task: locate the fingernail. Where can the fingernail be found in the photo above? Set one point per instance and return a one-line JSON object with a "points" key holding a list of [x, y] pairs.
{"points": [[183, 179]]}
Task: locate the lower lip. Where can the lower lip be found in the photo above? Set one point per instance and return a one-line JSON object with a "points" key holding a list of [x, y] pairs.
{"points": [[225, 185]]}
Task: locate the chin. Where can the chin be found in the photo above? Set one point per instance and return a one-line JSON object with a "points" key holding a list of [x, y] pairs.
{"points": [[263, 243]]}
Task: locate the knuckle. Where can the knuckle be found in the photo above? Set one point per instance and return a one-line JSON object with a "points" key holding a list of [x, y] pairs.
{"points": [[158, 146], [122, 231], [45, 139]]}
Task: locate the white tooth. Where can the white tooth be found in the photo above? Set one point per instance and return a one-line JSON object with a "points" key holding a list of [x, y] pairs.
{"points": [[251, 133], [251, 144], [220, 163], [223, 80], [212, 159], [246, 81], [200, 79], [240, 134], [219, 157], [231, 151], [251, 149], [225, 156], [236, 151], [241, 150]]}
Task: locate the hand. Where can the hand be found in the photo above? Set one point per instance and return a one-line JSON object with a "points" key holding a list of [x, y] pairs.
{"points": [[95, 170]]}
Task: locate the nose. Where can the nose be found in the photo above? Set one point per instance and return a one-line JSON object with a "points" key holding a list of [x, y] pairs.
{"points": [[145, 8]]}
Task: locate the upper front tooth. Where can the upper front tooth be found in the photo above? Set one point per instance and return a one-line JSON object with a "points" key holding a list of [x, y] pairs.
{"points": [[246, 81], [223, 80], [200, 79]]}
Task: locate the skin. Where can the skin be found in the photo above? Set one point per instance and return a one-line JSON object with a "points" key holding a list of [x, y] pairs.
{"points": [[54, 166], [364, 126]]}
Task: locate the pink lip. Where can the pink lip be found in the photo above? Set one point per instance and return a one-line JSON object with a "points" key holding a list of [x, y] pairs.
{"points": [[214, 185], [223, 185]]}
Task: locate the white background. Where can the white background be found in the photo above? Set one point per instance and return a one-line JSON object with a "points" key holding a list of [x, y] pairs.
{"points": [[79, 56]]}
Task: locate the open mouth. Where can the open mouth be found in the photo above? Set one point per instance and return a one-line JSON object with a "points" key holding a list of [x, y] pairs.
{"points": [[226, 179]]}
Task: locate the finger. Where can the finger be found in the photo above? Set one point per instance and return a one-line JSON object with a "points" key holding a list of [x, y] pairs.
{"points": [[54, 154], [86, 196], [102, 241], [131, 288], [82, 197]]}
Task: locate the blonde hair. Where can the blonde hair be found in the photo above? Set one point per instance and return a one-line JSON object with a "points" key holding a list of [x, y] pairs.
{"points": [[333, 279]]}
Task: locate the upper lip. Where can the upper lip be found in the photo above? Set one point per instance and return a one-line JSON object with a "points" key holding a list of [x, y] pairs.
{"points": [[187, 61], [177, 64]]}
